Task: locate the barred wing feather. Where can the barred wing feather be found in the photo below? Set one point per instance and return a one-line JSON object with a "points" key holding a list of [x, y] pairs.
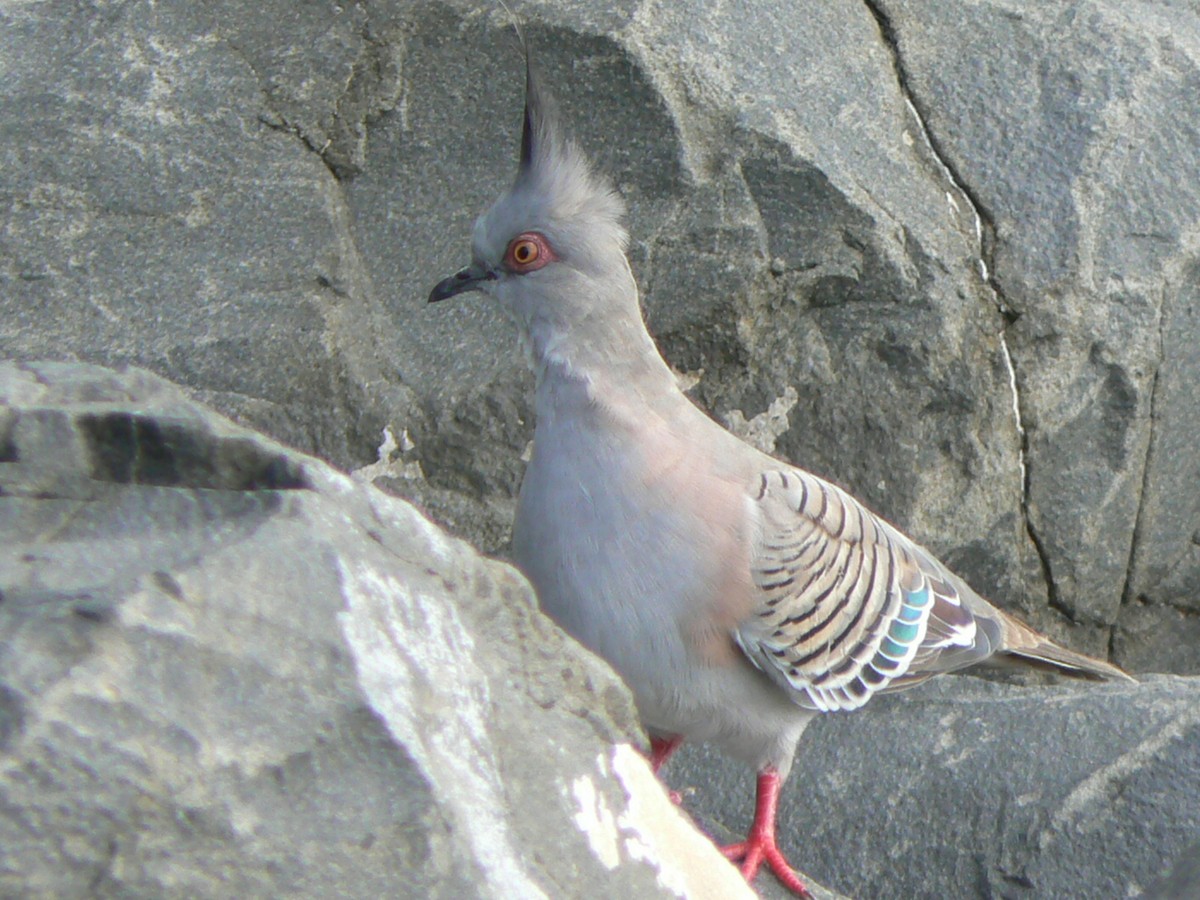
{"points": [[848, 606]]}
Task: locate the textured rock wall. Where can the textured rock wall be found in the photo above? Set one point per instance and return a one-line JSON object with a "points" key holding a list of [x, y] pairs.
{"points": [[964, 788], [227, 670], [945, 254], [1076, 128], [962, 236]]}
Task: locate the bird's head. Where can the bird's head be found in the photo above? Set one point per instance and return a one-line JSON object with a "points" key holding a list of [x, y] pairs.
{"points": [[552, 248]]}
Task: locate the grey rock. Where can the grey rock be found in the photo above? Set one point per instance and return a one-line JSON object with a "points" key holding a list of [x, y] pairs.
{"points": [[965, 788], [257, 206], [254, 199], [1182, 881], [1154, 638], [162, 206], [228, 670], [1075, 128]]}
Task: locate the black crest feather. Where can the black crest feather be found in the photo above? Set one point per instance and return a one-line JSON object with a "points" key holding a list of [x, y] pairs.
{"points": [[551, 167]]}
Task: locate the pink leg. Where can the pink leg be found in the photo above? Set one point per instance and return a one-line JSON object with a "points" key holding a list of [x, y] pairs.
{"points": [[661, 749], [760, 846]]}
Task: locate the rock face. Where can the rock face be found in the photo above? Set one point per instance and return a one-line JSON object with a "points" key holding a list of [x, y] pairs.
{"points": [[228, 670], [1076, 129], [968, 788], [945, 254], [962, 237]]}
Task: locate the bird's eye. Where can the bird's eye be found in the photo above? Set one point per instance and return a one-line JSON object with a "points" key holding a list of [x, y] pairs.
{"points": [[528, 252], [524, 252]]}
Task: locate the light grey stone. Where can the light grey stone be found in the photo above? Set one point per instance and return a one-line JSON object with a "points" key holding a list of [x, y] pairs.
{"points": [[228, 670], [162, 205]]}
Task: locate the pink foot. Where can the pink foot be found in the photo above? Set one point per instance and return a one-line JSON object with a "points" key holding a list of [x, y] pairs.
{"points": [[661, 750], [759, 846]]}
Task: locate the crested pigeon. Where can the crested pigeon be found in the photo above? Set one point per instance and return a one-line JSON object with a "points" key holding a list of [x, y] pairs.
{"points": [[737, 595]]}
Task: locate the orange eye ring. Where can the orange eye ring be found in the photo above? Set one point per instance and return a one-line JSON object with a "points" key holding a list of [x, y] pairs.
{"points": [[528, 252]]}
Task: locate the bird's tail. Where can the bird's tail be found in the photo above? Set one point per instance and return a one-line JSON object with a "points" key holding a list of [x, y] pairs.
{"points": [[1031, 648]]}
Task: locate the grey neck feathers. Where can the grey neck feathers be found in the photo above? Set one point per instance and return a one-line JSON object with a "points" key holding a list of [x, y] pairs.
{"points": [[608, 359]]}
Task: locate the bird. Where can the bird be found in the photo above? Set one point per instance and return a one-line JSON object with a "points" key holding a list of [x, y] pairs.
{"points": [[737, 595]]}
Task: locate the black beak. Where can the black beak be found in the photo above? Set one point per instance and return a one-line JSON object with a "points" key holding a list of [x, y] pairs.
{"points": [[469, 279]]}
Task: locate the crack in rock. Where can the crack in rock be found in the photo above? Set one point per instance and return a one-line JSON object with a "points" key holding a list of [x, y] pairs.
{"points": [[984, 230], [1139, 518]]}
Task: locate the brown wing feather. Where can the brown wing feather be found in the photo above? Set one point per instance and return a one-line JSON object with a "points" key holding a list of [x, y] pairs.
{"points": [[1029, 646], [849, 607]]}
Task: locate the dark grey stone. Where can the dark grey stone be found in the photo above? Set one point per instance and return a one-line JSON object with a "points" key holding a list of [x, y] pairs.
{"points": [[162, 206], [1182, 881], [966, 788], [1075, 128], [1158, 638], [254, 200]]}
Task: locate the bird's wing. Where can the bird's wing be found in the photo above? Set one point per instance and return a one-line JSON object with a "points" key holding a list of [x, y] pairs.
{"points": [[847, 606]]}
